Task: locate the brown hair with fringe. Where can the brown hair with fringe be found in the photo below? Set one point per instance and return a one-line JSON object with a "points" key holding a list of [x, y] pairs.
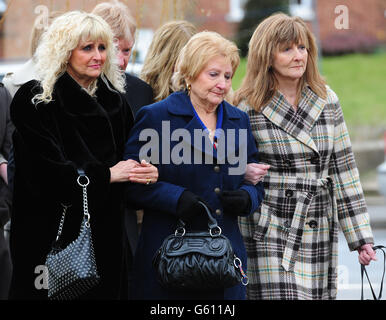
{"points": [[259, 84]]}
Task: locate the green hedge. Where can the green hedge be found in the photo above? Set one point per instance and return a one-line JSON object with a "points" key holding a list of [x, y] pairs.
{"points": [[359, 80]]}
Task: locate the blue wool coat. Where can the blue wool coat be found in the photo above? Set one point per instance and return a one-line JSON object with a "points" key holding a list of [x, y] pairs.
{"points": [[204, 172]]}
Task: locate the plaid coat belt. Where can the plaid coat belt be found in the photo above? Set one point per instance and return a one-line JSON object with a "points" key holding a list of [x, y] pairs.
{"points": [[309, 189]]}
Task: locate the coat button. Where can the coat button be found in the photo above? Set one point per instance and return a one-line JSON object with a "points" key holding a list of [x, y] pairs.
{"points": [[287, 224], [287, 162], [314, 160], [313, 224], [217, 190], [216, 169], [289, 193], [218, 212]]}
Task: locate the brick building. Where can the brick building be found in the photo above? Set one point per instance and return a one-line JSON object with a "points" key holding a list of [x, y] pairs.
{"points": [[366, 23]]}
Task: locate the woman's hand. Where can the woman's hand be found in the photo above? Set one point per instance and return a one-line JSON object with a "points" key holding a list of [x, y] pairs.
{"points": [[133, 171], [235, 202], [366, 254], [3, 172], [255, 172], [144, 173], [122, 170]]}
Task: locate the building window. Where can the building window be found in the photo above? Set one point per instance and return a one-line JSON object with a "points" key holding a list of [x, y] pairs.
{"points": [[302, 8], [236, 10]]}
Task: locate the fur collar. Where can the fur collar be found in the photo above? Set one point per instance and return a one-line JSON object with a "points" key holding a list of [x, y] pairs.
{"points": [[77, 101]]}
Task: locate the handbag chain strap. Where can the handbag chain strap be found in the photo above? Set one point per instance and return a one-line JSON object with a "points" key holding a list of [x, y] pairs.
{"points": [[363, 271], [85, 204], [85, 201], [62, 220]]}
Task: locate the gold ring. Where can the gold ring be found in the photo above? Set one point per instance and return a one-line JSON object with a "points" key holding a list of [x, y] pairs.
{"points": [[148, 181]]}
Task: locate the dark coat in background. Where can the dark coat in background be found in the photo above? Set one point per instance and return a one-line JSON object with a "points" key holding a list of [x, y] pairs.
{"points": [[51, 141], [160, 199], [138, 94], [6, 129]]}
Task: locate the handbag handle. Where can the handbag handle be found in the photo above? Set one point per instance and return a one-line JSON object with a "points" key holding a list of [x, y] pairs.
{"points": [[212, 223], [363, 271], [86, 214]]}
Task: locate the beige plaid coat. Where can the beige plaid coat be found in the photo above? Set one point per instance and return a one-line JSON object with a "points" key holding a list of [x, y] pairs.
{"points": [[311, 189]]}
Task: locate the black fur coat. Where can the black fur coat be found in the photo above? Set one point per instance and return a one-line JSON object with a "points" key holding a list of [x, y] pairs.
{"points": [[51, 141]]}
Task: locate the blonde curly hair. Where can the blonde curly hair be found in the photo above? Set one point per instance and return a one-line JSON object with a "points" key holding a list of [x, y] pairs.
{"points": [[61, 38]]}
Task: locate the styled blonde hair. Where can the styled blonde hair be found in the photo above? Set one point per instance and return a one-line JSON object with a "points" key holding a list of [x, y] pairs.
{"points": [[199, 50], [259, 84], [161, 58], [118, 16], [64, 34]]}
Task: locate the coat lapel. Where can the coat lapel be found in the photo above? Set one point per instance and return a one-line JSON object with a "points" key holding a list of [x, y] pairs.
{"points": [[181, 106], [298, 124], [231, 125]]}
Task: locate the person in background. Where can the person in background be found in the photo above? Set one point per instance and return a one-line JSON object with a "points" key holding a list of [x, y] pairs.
{"points": [[14, 80], [160, 61], [74, 117], [6, 129], [313, 184], [137, 92], [203, 76]]}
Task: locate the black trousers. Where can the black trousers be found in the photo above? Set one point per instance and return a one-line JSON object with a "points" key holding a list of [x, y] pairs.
{"points": [[5, 257]]}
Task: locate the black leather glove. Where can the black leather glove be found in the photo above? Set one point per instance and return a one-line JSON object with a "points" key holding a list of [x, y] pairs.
{"points": [[188, 207], [235, 202]]}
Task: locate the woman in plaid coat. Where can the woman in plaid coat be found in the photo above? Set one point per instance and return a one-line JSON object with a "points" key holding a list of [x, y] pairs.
{"points": [[313, 184]]}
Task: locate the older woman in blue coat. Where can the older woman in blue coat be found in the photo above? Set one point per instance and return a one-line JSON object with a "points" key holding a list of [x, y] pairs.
{"points": [[201, 145]]}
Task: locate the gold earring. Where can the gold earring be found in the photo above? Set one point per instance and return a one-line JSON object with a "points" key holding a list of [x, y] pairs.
{"points": [[188, 88]]}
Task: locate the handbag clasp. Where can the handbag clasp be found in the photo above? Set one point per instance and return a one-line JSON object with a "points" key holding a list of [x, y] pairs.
{"points": [[180, 232], [238, 264], [216, 234]]}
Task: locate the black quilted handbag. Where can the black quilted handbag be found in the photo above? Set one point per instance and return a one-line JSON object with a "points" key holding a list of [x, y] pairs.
{"points": [[198, 261], [72, 271]]}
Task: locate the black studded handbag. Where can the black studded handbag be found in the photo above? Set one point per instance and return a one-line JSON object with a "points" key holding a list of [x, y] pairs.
{"points": [[198, 261], [72, 271]]}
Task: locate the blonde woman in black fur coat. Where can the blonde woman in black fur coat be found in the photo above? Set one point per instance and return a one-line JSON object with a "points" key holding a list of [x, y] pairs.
{"points": [[74, 117]]}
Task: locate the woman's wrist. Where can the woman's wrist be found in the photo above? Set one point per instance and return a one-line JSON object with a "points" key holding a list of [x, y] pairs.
{"points": [[3, 171]]}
